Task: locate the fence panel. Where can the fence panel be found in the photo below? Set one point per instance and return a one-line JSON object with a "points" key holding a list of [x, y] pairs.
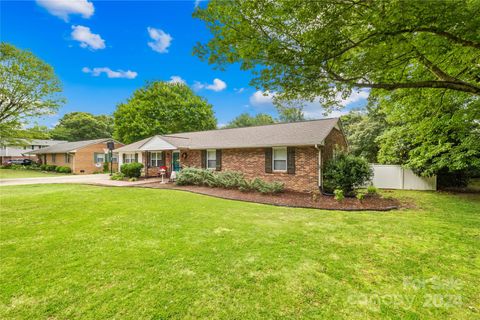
{"points": [[396, 177]]}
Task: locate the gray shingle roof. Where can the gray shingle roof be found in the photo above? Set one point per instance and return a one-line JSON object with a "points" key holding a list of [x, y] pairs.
{"points": [[282, 134], [68, 146]]}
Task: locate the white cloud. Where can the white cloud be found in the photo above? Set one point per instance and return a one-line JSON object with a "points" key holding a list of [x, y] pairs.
{"points": [[355, 96], [161, 39], [64, 8], [217, 85], [262, 98], [87, 39], [177, 79], [310, 109], [239, 90], [110, 73]]}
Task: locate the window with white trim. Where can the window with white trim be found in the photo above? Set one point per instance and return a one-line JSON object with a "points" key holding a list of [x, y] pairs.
{"points": [[54, 158], [155, 159], [279, 159], [100, 157], [211, 159], [129, 157]]}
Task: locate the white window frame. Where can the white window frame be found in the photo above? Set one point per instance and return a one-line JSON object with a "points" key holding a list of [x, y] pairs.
{"points": [[101, 157], [209, 158], [274, 159], [129, 157], [155, 159]]}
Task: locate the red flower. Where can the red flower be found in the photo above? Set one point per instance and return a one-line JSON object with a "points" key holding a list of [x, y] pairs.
{"points": [[163, 168]]}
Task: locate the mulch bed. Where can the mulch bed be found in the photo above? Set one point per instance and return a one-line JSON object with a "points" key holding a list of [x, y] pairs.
{"points": [[289, 198]]}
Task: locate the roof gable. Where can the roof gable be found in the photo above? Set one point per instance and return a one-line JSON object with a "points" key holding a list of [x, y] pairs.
{"points": [[282, 134]]}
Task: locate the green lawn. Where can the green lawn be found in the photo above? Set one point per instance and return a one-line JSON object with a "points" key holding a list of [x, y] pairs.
{"points": [[13, 174], [72, 251]]}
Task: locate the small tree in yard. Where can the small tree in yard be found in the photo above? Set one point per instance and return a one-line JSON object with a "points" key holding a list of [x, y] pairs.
{"points": [[131, 170], [346, 172]]}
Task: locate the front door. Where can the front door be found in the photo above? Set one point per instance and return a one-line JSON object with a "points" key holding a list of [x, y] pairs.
{"points": [[176, 161]]}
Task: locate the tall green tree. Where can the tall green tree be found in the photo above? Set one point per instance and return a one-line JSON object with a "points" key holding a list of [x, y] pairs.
{"points": [[246, 120], [76, 126], [28, 89], [315, 49], [162, 108], [431, 131], [363, 128]]}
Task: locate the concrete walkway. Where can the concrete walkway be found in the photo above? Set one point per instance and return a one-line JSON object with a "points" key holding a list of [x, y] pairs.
{"points": [[97, 179]]}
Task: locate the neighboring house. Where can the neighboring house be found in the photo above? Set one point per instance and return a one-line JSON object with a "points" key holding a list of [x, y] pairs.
{"points": [[81, 156], [8, 152], [292, 153]]}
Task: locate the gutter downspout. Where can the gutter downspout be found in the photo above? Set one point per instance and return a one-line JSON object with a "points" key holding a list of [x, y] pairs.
{"points": [[320, 177]]}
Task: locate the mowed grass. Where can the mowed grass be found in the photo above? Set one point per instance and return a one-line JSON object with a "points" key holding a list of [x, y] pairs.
{"points": [[73, 251], [13, 174]]}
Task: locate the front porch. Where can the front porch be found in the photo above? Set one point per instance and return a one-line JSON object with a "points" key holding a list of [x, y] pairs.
{"points": [[154, 161]]}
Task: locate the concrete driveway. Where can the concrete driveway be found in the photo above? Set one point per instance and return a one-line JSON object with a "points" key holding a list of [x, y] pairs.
{"points": [[98, 179]]}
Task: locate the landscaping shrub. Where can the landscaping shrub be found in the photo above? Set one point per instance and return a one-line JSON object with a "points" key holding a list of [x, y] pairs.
{"points": [[228, 179], [360, 196], [266, 187], [132, 170], [117, 176], [63, 169], [225, 179], [346, 172], [339, 196], [372, 190], [196, 177]]}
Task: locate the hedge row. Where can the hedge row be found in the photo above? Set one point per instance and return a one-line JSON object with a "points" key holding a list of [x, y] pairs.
{"points": [[225, 179]]}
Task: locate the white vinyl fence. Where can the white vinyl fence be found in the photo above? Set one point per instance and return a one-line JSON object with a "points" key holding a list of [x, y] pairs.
{"points": [[396, 177]]}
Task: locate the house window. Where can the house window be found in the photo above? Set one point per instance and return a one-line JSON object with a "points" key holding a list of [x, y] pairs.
{"points": [[280, 159], [114, 158], [99, 158], [211, 159], [129, 157], [155, 159], [54, 158], [67, 157]]}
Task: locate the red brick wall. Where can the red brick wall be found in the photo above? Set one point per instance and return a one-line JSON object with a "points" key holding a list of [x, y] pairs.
{"points": [[335, 140], [82, 161], [252, 163]]}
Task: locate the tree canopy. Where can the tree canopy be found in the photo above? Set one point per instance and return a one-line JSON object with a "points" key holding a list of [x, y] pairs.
{"points": [[28, 88], [362, 129], [162, 108], [246, 120], [77, 126], [315, 49], [440, 133]]}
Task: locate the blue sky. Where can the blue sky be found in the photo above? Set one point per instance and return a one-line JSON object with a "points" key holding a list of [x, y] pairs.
{"points": [[103, 50]]}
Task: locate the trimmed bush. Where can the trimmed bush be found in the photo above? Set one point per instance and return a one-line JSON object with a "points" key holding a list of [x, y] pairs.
{"points": [[339, 196], [117, 176], [131, 170], [371, 190], [346, 172], [226, 180], [196, 177], [63, 169], [48, 167]]}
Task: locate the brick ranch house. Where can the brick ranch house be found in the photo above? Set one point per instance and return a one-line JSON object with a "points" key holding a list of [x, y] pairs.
{"points": [[292, 153], [82, 157]]}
